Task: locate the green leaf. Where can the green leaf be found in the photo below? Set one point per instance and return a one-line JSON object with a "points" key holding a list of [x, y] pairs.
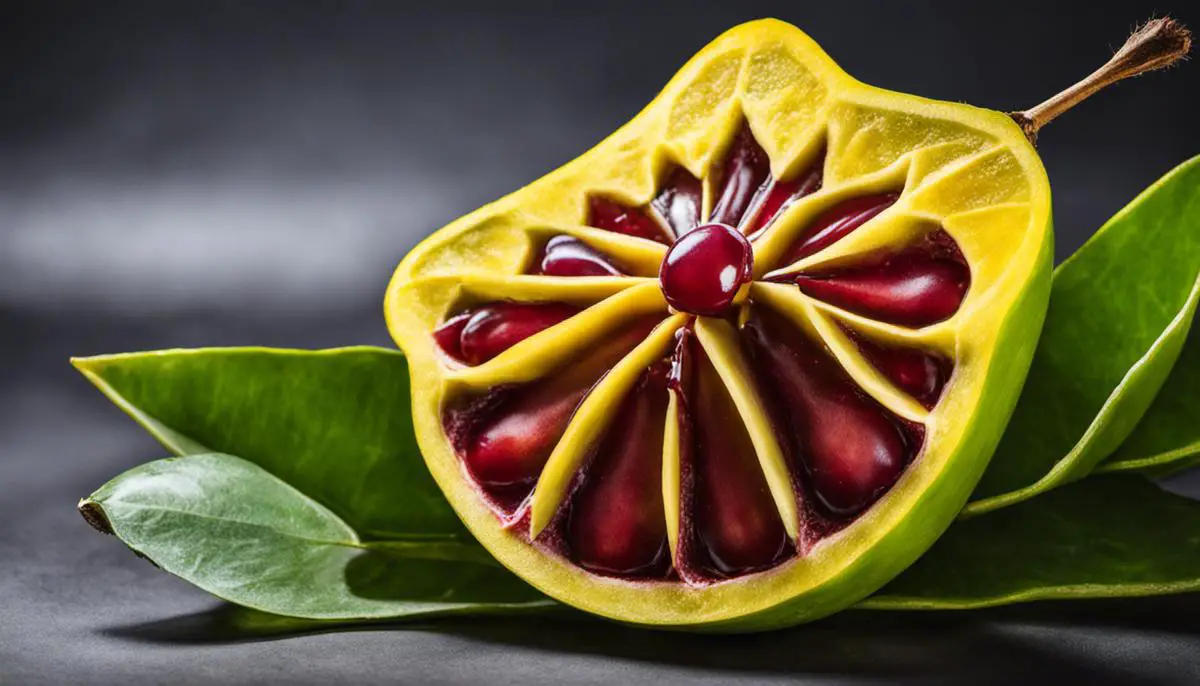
{"points": [[1109, 536], [1120, 310], [238, 532], [334, 424], [243, 535], [1167, 439]]}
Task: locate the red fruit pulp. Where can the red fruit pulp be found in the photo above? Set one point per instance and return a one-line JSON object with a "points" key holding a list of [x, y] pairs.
{"points": [[735, 522], [569, 256], [476, 336], [448, 336], [612, 216], [616, 524], [918, 373], [704, 270], [775, 196], [911, 289], [678, 202], [850, 449], [505, 438], [512, 446], [745, 171], [835, 224]]}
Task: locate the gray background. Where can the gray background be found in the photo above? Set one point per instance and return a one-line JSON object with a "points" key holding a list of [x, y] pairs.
{"points": [[186, 174]]}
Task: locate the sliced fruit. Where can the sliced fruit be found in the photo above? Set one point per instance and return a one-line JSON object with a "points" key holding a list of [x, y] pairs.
{"points": [[848, 286]]}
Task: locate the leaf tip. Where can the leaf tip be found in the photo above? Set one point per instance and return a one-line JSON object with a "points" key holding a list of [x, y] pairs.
{"points": [[82, 364], [94, 515]]}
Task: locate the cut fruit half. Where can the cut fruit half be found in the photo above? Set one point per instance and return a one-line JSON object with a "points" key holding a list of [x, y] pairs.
{"points": [[743, 362]]}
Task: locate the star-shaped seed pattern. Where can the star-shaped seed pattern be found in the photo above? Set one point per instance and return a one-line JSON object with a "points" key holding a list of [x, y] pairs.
{"points": [[745, 432]]}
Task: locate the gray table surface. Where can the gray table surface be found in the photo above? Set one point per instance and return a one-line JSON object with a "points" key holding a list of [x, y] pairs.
{"points": [[209, 173]]}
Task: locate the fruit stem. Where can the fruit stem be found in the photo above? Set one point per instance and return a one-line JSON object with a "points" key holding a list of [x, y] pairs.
{"points": [[1157, 44]]}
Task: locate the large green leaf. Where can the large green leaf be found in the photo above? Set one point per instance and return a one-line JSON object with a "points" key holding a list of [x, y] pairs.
{"points": [[1167, 438], [241, 534], [1108, 536], [236, 531], [1120, 310], [334, 424]]}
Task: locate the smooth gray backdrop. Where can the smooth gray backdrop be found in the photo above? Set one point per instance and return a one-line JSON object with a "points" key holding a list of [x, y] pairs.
{"points": [[220, 173]]}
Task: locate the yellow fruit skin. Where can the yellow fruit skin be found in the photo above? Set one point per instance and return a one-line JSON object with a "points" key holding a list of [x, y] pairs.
{"points": [[970, 170]]}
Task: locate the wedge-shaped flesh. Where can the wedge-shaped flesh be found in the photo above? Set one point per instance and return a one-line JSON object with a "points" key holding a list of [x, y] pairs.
{"points": [[743, 362]]}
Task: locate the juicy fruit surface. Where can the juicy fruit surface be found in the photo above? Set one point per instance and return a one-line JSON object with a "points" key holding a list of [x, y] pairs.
{"points": [[716, 372], [705, 269], [615, 524]]}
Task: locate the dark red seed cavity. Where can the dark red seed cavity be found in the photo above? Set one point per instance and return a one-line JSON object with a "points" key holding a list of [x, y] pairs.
{"points": [[851, 449], [918, 373], [478, 335], [837, 223], [744, 174], [679, 201], [911, 289], [569, 256], [735, 522], [612, 216], [616, 524], [448, 336], [511, 446], [774, 197], [505, 437], [704, 270]]}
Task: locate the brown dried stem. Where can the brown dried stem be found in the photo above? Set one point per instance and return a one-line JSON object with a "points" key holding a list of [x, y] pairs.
{"points": [[1156, 44]]}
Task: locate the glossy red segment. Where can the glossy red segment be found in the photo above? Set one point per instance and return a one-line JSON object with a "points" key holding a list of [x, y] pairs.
{"points": [[569, 256], [838, 222], [448, 336], [612, 216], [478, 335], [774, 197], [918, 373], [850, 448], [505, 437], [703, 270], [910, 289], [512, 446], [734, 519], [746, 170], [679, 201], [616, 524]]}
